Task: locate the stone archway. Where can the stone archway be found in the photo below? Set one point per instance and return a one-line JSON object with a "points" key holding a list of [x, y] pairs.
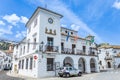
{"points": [[68, 61], [92, 65], [81, 64], [109, 64]]}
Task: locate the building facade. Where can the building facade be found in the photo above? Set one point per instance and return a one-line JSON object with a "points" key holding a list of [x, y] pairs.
{"points": [[48, 46], [109, 57], [5, 61]]}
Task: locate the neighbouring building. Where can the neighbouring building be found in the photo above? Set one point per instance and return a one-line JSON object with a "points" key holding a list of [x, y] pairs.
{"points": [[2, 55], [109, 56], [48, 46], [5, 61]]}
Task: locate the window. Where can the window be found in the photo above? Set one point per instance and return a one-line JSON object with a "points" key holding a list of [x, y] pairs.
{"points": [[24, 50], [19, 64], [31, 62], [28, 45], [71, 33], [100, 62], [35, 22], [84, 49], [62, 46], [26, 63], [73, 48], [22, 64], [34, 45], [21, 50], [65, 31], [50, 62], [50, 41], [29, 29]]}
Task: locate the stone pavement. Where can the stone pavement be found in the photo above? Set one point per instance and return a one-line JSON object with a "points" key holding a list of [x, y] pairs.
{"points": [[4, 76], [109, 75]]}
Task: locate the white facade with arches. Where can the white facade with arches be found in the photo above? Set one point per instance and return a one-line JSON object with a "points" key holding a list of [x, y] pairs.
{"points": [[49, 46], [109, 57]]}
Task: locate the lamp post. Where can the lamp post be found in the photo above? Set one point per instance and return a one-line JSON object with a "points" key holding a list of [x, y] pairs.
{"points": [[42, 47]]}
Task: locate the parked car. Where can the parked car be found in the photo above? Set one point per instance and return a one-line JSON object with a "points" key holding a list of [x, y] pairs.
{"points": [[69, 71]]}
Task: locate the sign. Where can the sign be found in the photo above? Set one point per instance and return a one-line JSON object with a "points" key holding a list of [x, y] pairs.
{"points": [[35, 57]]}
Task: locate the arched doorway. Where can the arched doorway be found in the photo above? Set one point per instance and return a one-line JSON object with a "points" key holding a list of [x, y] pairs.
{"points": [[119, 66], [109, 64], [92, 65], [81, 64], [68, 61]]}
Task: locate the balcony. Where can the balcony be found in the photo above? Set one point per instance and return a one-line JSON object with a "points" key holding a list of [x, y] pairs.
{"points": [[49, 48], [108, 58], [68, 51], [80, 52], [77, 52], [52, 49], [92, 53]]}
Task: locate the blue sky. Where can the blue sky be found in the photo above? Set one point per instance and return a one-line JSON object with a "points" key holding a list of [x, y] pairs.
{"points": [[100, 18]]}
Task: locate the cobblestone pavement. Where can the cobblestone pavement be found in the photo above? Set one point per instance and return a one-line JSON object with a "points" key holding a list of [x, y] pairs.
{"points": [[4, 76], [109, 75]]}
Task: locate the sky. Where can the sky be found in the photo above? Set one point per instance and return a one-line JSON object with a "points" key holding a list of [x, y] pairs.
{"points": [[100, 18]]}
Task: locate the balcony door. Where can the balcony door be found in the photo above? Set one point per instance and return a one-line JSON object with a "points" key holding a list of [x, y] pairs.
{"points": [[50, 44], [84, 49], [73, 48]]}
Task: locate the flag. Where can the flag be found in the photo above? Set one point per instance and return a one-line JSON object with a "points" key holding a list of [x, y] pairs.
{"points": [[92, 40], [87, 41], [75, 38], [67, 36]]}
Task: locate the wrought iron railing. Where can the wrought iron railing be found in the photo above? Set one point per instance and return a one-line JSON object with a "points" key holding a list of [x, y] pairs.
{"points": [[108, 58], [68, 51], [52, 48], [48, 48]]}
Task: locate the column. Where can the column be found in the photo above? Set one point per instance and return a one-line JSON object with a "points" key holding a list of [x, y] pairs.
{"points": [[87, 64]]}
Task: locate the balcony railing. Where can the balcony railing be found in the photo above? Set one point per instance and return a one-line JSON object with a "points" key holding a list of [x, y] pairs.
{"points": [[80, 52], [49, 48], [92, 53], [77, 52], [108, 58], [68, 51], [52, 48]]}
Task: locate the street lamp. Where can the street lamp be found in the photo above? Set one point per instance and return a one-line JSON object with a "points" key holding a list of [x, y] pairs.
{"points": [[42, 47]]}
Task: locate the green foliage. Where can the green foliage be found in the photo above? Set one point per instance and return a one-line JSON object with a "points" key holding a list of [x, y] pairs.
{"points": [[4, 45]]}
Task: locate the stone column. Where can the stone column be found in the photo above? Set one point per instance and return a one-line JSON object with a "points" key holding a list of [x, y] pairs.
{"points": [[87, 64], [97, 66], [75, 63]]}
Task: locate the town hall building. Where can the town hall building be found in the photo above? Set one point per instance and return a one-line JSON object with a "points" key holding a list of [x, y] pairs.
{"points": [[48, 46]]}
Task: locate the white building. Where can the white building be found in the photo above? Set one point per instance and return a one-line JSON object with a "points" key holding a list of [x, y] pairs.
{"points": [[5, 61], [49, 46], [109, 56], [2, 55]]}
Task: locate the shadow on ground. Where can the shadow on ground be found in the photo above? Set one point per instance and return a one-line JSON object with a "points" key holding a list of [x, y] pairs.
{"points": [[4, 76]]}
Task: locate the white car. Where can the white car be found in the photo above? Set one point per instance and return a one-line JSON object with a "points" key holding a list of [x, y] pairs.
{"points": [[69, 71]]}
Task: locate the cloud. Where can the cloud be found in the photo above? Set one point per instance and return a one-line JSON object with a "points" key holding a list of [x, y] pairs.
{"points": [[6, 30], [24, 19], [69, 16], [20, 35], [116, 5], [2, 23], [75, 27], [14, 19], [63, 25]]}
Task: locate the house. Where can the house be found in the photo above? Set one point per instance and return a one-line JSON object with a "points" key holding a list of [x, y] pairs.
{"points": [[109, 56], [48, 46]]}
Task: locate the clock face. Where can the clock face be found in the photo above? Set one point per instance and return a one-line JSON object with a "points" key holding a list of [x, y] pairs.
{"points": [[50, 20]]}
